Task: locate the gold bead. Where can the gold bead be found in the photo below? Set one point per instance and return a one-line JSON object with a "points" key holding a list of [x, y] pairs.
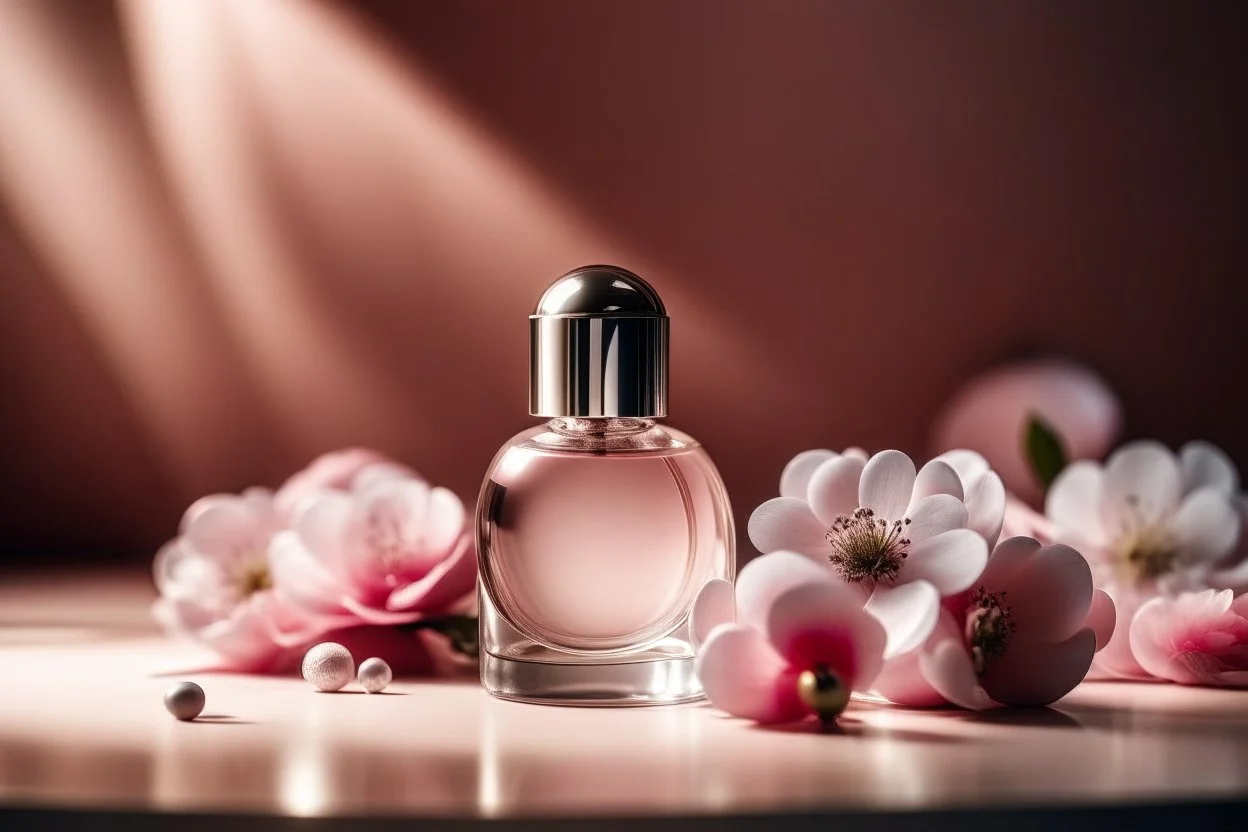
{"points": [[822, 692]]}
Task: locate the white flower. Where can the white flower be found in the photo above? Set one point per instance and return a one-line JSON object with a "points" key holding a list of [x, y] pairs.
{"points": [[1149, 520], [903, 538]]}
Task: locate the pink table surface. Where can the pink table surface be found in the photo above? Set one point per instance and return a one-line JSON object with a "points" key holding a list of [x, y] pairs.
{"points": [[82, 727]]}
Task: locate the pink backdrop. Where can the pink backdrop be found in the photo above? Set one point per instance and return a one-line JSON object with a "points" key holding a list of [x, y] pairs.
{"points": [[235, 234]]}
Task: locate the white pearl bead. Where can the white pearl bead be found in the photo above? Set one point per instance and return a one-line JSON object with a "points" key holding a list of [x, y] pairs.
{"points": [[185, 700], [329, 666], [374, 675]]}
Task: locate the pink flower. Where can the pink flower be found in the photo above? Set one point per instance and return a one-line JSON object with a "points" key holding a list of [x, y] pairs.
{"points": [[216, 582], [1197, 638], [1024, 635], [1150, 523], [990, 415], [901, 538], [392, 551], [336, 470], [791, 641]]}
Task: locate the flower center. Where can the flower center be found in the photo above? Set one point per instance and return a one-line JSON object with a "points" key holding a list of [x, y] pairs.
{"points": [[254, 578], [988, 628], [1145, 548], [867, 548]]}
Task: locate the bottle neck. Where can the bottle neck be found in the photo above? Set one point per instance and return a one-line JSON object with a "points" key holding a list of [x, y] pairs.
{"points": [[604, 435], [599, 427]]}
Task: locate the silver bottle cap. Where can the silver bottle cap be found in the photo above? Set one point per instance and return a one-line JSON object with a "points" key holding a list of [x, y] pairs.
{"points": [[598, 347]]}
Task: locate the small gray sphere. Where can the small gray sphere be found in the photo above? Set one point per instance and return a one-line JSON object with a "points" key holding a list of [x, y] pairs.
{"points": [[329, 666], [374, 675], [185, 700]]}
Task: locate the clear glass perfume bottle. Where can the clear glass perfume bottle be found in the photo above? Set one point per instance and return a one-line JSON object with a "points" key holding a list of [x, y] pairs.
{"points": [[596, 531]]}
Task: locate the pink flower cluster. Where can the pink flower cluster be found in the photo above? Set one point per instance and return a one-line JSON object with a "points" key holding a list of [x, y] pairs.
{"points": [[857, 547], [346, 549], [1164, 532]]}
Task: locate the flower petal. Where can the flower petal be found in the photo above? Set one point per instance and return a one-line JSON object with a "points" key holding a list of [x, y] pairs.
{"points": [[886, 484], [381, 472], [833, 489], [950, 561], [243, 639], [824, 623], [716, 604], [934, 515], [1101, 618], [203, 504], [301, 577], [1074, 502], [765, 578], [937, 477], [1022, 520], [447, 582], [1204, 464], [1048, 596], [1206, 526], [795, 478], [1008, 559], [788, 523], [908, 613], [985, 506], [1142, 484], [947, 667], [1116, 660], [1040, 673], [322, 525], [444, 521], [743, 675], [224, 531], [901, 682], [970, 465], [373, 615]]}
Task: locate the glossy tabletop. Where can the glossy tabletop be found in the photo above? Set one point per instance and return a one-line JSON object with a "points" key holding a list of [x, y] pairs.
{"points": [[82, 727]]}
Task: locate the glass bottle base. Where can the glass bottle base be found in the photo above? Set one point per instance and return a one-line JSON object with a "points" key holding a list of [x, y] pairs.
{"points": [[662, 680]]}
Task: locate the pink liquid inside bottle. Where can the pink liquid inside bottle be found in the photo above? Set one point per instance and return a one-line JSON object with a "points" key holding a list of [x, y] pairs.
{"points": [[597, 530]]}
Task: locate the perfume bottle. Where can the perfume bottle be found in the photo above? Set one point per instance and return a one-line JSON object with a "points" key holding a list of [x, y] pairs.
{"points": [[596, 530]]}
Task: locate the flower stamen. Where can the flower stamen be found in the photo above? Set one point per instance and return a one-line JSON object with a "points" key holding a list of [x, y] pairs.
{"points": [[1145, 548], [866, 548], [989, 628], [255, 578]]}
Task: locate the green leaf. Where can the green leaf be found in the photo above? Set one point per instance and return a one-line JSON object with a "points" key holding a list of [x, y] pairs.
{"points": [[1044, 450], [460, 630]]}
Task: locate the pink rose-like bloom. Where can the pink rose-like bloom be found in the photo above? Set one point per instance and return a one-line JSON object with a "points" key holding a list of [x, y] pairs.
{"points": [[901, 538], [990, 415], [787, 617], [1196, 638], [392, 551], [216, 582], [1024, 635], [336, 470]]}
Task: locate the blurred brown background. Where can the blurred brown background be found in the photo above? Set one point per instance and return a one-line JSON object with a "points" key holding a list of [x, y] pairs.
{"points": [[235, 234]]}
